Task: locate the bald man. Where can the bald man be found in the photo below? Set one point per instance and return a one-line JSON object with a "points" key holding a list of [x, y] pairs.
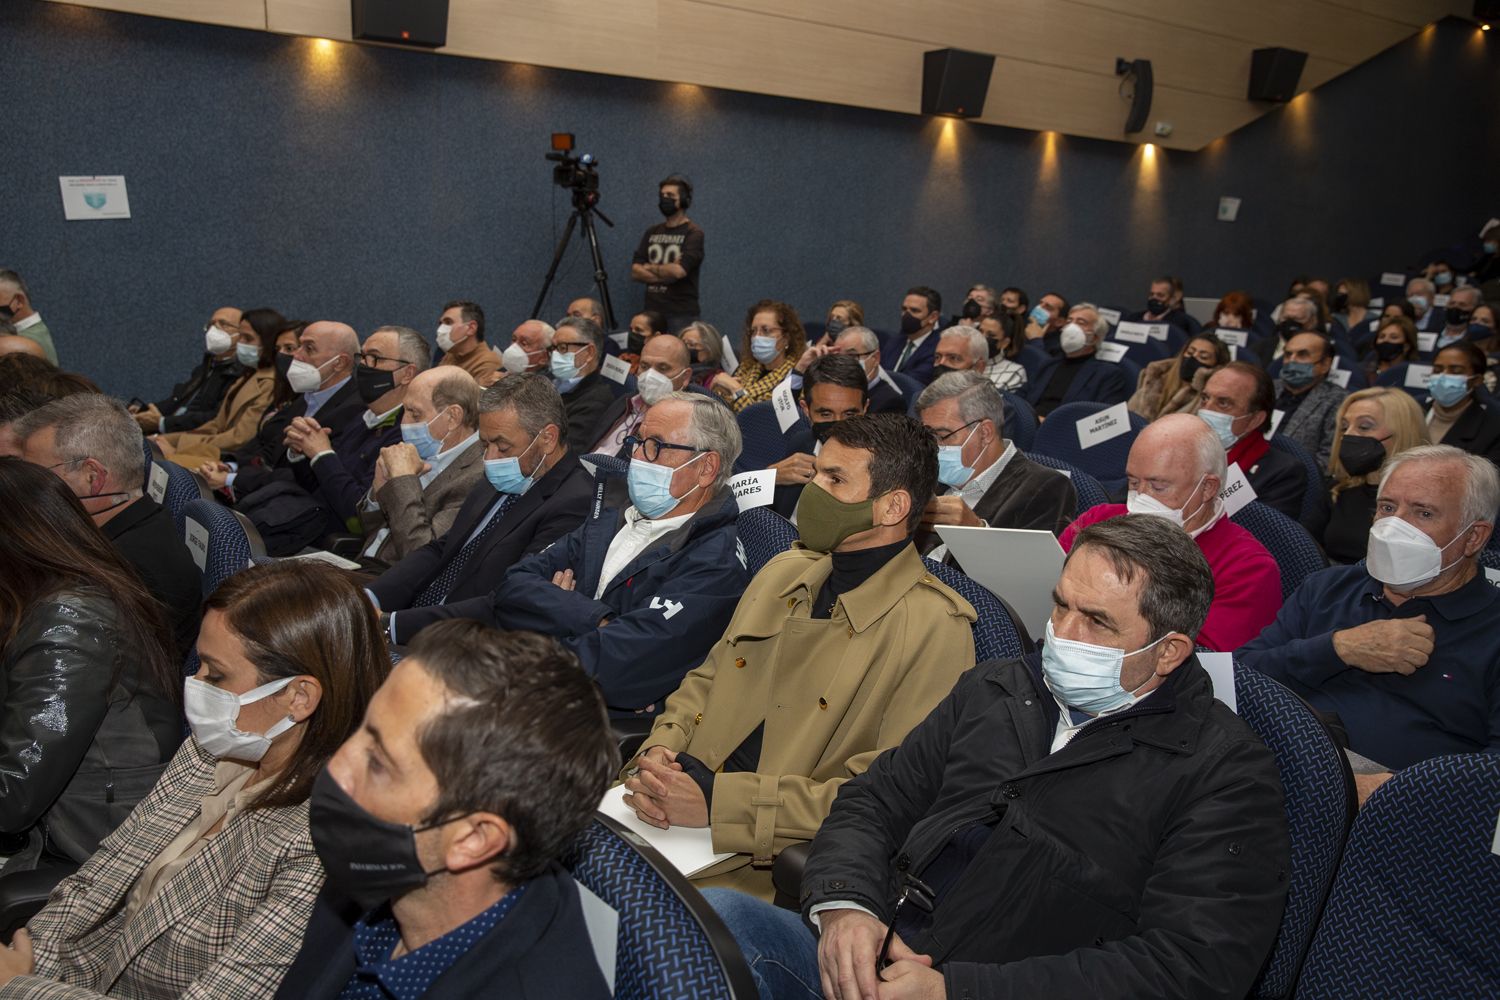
{"points": [[530, 345], [1175, 471], [321, 374], [11, 343], [669, 358], [415, 497], [194, 401]]}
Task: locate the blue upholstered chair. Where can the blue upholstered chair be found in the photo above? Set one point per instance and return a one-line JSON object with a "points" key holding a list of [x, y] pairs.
{"points": [[1091, 493], [997, 634], [1416, 905], [1312, 495], [671, 944], [231, 544], [182, 488], [1294, 550], [1020, 421], [1105, 461], [764, 534]]}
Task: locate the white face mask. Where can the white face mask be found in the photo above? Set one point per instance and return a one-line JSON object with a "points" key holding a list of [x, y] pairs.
{"points": [[212, 712], [1087, 677], [515, 359], [305, 377], [653, 386], [445, 337], [216, 341], [1137, 502], [1073, 339], [1403, 556]]}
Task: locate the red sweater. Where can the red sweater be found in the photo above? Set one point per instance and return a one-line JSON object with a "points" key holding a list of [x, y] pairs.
{"points": [[1247, 581]]}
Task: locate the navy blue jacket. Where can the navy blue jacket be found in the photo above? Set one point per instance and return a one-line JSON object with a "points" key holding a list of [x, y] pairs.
{"points": [[663, 611], [1098, 382], [264, 459], [342, 479], [555, 505], [539, 951], [1451, 705], [919, 365]]}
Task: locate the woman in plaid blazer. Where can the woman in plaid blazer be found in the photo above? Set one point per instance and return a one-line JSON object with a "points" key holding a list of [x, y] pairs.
{"points": [[206, 889]]}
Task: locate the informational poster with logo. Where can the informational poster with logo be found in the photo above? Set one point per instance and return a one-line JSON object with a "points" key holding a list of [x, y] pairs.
{"points": [[94, 197]]}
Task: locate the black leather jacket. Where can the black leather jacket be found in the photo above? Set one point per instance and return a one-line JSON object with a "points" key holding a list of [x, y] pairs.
{"points": [[83, 736]]}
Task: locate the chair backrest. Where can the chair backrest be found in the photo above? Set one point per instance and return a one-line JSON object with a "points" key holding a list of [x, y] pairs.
{"points": [[1312, 493], [671, 944], [1105, 461], [229, 546], [607, 465], [910, 388], [1020, 420], [150, 457], [1318, 792], [181, 489], [1142, 354], [1031, 358], [997, 636], [1090, 492], [1295, 552], [1415, 908], [1395, 375], [764, 443], [765, 534]]}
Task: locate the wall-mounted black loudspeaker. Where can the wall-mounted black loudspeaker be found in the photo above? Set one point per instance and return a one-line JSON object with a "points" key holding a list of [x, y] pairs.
{"points": [[1274, 74], [401, 22], [1137, 73], [954, 82]]}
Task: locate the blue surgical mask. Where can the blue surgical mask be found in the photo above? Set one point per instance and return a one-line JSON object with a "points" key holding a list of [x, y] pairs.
{"points": [[419, 436], [1448, 390], [505, 474], [1223, 425], [764, 350], [1298, 373], [1085, 676], [1040, 316], [951, 468], [1418, 302], [564, 365], [1442, 278], [247, 355], [1491, 247], [651, 486]]}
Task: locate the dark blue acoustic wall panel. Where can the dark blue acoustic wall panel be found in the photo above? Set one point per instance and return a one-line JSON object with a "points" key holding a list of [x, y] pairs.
{"points": [[370, 185]]}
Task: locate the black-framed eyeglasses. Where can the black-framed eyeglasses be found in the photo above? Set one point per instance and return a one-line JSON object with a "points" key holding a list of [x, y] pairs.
{"points": [[570, 348], [372, 360], [918, 894], [938, 435], [651, 447]]}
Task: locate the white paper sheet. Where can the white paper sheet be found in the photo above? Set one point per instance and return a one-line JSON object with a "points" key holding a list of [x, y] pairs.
{"points": [[754, 489], [1102, 426], [1237, 491], [1020, 565], [688, 850], [1220, 667], [784, 399], [91, 198]]}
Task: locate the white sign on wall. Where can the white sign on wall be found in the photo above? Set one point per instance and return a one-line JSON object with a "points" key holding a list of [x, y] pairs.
{"points": [[94, 197]]}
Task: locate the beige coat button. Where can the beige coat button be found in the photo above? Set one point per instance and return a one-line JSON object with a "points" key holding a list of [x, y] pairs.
{"points": [[697, 719]]}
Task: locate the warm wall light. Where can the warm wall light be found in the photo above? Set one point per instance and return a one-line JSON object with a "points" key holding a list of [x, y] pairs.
{"points": [[1047, 169], [323, 45], [1484, 27]]}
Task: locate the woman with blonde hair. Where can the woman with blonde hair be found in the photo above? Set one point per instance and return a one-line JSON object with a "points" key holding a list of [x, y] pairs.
{"points": [[841, 315], [1173, 385], [1373, 426], [771, 344]]}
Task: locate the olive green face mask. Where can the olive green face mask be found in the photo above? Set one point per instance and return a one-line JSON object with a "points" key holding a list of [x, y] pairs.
{"points": [[824, 521]]}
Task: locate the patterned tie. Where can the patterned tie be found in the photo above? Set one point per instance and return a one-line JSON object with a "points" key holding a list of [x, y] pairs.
{"points": [[437, 591], [905, 353]]}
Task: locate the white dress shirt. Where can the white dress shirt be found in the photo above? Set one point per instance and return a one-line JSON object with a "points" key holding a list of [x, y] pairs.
{"points": [[974, 490], [635, 536]]}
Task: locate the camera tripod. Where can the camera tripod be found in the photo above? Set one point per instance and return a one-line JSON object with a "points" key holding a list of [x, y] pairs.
{"points": [[584, 209]]}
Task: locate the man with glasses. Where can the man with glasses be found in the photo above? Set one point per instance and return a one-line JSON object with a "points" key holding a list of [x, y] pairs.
{"points": [[641, 592], [665, 367], [577, 353], [862, 344], [836, 650], [194, 401], [989, 482]]}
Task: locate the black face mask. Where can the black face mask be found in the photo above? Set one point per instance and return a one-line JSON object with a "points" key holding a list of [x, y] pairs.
{"points": [[1289, 328], [1457, 316], [372, 383], [834, 327], [366, 858], [283, 364], [938, 371], [821, 429], [1387, 350], [971, 309], [1155, 307], [909, 324], [995, 348], [1361, 456], [634, 342], [666, 206], [1339, 302], [1188, 367]]}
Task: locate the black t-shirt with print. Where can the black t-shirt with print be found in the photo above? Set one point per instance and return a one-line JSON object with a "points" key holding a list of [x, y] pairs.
{"points": [[663, 244]]}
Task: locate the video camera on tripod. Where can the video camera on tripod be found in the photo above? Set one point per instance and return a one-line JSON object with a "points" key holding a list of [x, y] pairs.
{"points": [[580, 175]]}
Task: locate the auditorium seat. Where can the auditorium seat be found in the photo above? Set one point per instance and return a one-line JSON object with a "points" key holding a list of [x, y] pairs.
{"points": [[1297, 555], [764, 534], [670, 944], [1090, 491], [1031, 358], [998, 635], [1319, 798], [764, 444], [910, 388], [1414, 909], [180, 489], [1020, 420], [1141, 354], [1395, 375], [232, 541], [1104, 461], [1312, 493]]}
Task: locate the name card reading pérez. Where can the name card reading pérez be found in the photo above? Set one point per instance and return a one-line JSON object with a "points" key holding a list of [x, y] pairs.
{"points": [[784, 401], [754, 489], [1417, 376], [1232, 337], [1110, 351], [1102, 426], [615, 369], [1237, 491], [1133, 333]]}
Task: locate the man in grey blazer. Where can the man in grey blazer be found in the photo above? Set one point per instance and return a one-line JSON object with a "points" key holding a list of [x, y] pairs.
{"points": [[1308, 400], [989, 481], [421, 483]]}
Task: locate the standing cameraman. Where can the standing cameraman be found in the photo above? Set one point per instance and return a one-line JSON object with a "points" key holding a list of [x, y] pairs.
{"points": [[669, 256]]}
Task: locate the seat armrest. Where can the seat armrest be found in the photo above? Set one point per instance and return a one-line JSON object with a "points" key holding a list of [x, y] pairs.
{"points": [[786, 875], [23, 894]]}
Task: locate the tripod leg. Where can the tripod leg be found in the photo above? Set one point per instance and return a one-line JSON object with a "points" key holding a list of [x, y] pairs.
{"points": [[601, 277], [562, 245]]}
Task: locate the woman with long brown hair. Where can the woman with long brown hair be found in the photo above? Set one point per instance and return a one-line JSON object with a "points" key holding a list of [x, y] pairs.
{"points": [[88, 693], [771, 344], [206, 889]]}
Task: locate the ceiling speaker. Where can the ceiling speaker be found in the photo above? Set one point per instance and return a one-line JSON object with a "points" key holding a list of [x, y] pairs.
{"points": [[423, 23], [1274, 74], [955, 82]]}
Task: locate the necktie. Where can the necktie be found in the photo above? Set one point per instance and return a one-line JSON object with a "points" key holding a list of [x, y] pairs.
{"points": [[437, 591], [905, 353]]}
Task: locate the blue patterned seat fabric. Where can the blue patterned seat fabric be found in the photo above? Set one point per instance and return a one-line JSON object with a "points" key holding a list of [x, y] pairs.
{"points": [[1020, 421], [764, 534], [1105, 461], [1415, 911], [1091, 492], [1312, 494], [1295, 552], [996, 635], [667, 933], [228, 545], [182, 489]]}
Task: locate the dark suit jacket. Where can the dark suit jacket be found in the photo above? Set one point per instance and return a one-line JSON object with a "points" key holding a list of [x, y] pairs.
{"points": [[1098, 382], [1024, 495], [884, 398], [1477, 431], [584, 404], [1175, 317], [264, 459], [611, 414], [539, 951], [342, 479], [555, 505], [919, 365], [199, 395], [145, 534], [1280, 480]]}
